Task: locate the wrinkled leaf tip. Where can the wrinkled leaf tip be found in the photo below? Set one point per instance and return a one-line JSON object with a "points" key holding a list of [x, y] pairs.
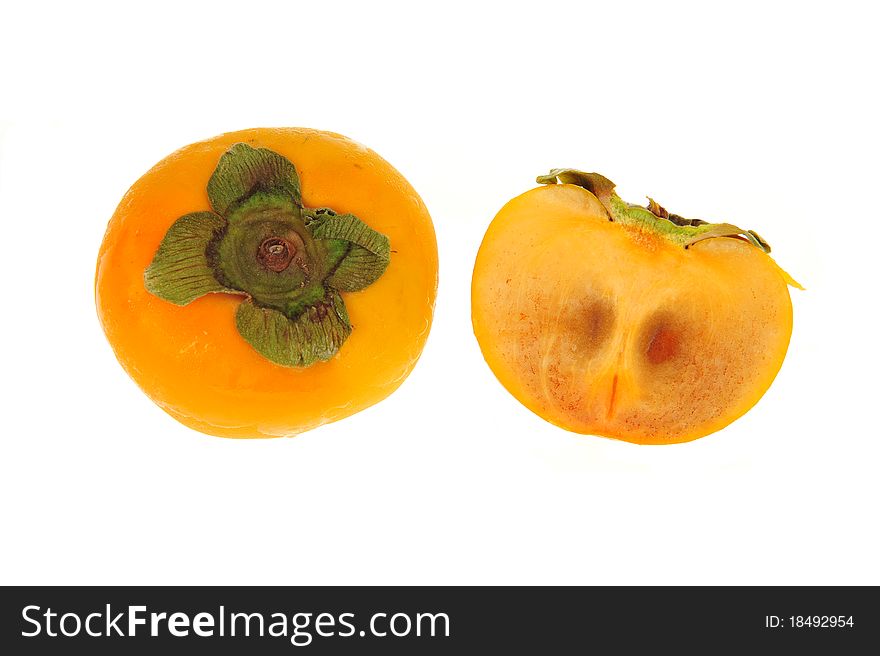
{"points": [[180, 271], [759, 241], [243, 169], [549, 179], [657, 209]]}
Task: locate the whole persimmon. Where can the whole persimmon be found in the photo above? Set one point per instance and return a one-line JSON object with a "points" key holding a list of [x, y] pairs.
{"points": [[267, 281], [623, 321]]}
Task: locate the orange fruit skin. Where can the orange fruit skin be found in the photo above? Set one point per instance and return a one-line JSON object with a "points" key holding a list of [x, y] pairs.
{"points": [[191, 360], [612, 330]]}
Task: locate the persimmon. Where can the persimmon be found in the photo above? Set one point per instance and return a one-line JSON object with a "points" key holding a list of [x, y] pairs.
{"points": [[627, 322], [267, 281]]}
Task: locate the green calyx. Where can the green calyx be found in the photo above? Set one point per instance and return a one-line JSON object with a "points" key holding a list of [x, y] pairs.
{"points": [[653, 217], [290, 262]]}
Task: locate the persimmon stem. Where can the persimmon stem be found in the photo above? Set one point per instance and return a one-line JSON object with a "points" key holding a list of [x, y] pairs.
{"points": [[276, 253], [288, 261], [653, 217]]}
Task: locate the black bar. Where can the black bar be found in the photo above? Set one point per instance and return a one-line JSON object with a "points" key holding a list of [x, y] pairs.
{"points": [[539, 620]]}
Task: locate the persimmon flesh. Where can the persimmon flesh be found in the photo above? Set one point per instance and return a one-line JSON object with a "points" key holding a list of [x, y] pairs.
{"points": [[627, 322]]}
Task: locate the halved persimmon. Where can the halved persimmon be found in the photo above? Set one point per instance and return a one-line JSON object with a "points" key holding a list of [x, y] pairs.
{"points": [[267, 281], [627, 322]]}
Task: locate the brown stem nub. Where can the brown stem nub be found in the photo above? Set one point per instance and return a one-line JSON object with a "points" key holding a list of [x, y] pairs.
{"points": [[275, 253]]}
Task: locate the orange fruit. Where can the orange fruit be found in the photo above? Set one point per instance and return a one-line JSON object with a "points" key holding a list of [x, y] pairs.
{"points": [[267, 281], [627, 322]]}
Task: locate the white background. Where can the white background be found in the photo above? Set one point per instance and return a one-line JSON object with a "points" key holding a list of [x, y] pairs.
{"points": [[761, 114]]}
